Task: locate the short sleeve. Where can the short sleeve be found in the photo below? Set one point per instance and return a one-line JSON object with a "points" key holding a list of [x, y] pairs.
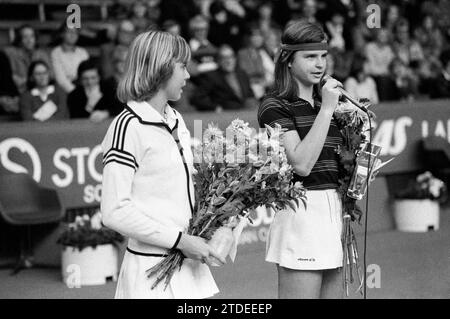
{"points": [[272, 111]]}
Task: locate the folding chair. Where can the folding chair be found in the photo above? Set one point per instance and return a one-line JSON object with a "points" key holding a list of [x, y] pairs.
{"points": [[23, 204]]}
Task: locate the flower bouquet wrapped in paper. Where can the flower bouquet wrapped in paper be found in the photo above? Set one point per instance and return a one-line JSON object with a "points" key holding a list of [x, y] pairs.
{"points": [[234, 174], [359, 164]]}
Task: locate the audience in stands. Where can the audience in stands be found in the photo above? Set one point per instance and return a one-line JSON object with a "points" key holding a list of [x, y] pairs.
{"points": [[440, 87], [254, 60], [22, 53], [172, 27], [203, 51], [342, 63], [379, 56], [9, 95], [125, 34], [226, 25], [407, 57], [307, 10], [359, 84], [391, 18], [140, 17], [154, 12], [118, 60], [66, 58], [335, 30], [180, 11], [227, 88], [264, 18], [429, 37], [406, 48], [404, 79], [270, 30], [91, 98], [44, 100]]}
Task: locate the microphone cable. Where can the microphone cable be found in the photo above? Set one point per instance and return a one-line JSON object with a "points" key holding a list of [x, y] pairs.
{"points": [[369, 173]]}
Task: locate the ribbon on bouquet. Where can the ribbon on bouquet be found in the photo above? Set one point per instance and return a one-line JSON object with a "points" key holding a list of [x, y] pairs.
{"points": [[237, 231]]}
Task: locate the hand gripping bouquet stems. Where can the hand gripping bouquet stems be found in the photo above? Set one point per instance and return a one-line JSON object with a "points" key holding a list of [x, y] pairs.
{"points": [[359, 163], [234, 174]]}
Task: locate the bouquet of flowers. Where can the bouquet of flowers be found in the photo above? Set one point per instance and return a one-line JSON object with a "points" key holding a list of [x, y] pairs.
{"points": [[234, 174], [88, 231], [354, 125], [426, 186]]}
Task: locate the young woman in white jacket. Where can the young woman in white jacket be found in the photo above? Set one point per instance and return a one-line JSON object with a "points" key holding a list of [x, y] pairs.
{"points": [[148, 193]]}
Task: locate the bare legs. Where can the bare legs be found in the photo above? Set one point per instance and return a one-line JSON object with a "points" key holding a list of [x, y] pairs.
{"points": [[309, 284], [331, 284]]}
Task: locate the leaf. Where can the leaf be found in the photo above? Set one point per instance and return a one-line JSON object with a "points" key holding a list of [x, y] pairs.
{"points": [[304, 202], [220, 189], [219, 201], [292, 206]]}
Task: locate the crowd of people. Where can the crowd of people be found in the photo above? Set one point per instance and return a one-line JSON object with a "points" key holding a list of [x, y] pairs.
{"points": [[234, 44]]}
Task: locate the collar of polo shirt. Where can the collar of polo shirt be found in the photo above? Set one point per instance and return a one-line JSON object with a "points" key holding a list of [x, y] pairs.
{"points": [[146, 112]]}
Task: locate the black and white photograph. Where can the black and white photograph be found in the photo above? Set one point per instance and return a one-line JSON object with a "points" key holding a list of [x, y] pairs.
{"points": [[241, 152]]}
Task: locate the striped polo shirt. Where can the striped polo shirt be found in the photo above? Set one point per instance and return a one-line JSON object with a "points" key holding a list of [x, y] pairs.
{"points": [[300, 115]]}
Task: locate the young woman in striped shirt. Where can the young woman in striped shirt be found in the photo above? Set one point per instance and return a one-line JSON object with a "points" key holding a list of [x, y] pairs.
{"points": [[306, 243]]}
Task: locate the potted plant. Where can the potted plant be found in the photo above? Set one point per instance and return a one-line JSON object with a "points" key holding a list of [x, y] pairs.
{"points": [[416, 208], [90, 252]]}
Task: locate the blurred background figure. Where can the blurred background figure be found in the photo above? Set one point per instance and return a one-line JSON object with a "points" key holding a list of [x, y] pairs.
{"points": [[429, 37], [309, 11], [66, 58], [359, 84], [172, 27], [154, 13], [139, 17], [391, 18], [24, 51], [254, 60], [44, 100], [203, 51], [405, 48], [440, 87], [379, 56], [126, 33], [180, 11], [264, 18], [110, 83], [335, 31], [227, 88], [405, 81], [9, 95], [226, 25], [91, 98]]}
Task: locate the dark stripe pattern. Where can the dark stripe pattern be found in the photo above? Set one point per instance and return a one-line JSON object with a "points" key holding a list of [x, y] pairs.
{"points": [[117, 152], [299, 115]]}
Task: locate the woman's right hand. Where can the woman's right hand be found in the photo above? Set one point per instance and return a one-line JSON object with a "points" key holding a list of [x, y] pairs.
{"points": [[196, 248], [330, 95]]}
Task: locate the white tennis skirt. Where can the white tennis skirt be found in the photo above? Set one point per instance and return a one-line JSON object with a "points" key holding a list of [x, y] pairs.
{"points": [[192, 281], [308, 239]]}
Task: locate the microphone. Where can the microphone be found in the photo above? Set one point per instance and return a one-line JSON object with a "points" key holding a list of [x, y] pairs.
{"points": [[344, 93]]}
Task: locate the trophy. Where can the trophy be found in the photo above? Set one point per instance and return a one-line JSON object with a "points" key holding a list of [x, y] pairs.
{"points": [[367, 156]]}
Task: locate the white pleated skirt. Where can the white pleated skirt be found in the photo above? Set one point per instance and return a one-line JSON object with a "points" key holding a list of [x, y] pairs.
{"points": [[193, 281], [308, 239]]}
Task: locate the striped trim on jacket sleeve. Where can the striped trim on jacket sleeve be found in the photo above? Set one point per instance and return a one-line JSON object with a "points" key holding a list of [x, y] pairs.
{"points": [[117, 152]]}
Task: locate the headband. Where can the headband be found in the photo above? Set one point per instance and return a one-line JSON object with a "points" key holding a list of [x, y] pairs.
{"points": [[286, 50]]}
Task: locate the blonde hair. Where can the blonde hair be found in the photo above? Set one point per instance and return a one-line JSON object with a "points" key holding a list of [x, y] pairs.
{"points": [[150, 63]]}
